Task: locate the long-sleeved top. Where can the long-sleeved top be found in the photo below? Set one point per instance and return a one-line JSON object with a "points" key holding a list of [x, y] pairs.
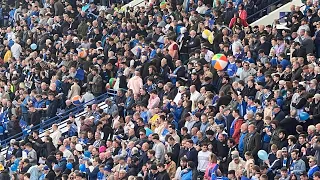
{"points": [[246, 73], [153, 102], [92, 175], [55, 137], [160, 150], [298, 166], [32, 156], [135, 83], [252, 142], [97, 84], [74, 91], [192, 155], [235, 166], [52, 108]]}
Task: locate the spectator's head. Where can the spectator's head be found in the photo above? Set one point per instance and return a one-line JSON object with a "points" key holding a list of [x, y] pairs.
{"points": [[28, 146], [189, 143], [302, 139], [316, 175], [231, 142], [151, 153], [295, 154], [248, 155], [154, 169], [26, 176], [59, 155], [231, 174], [244, 128], [251, 128], [304, 176], [311, 129]]}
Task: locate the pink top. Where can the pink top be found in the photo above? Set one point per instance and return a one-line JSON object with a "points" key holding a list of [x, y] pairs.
{"points": [[206, 174], [135, 83], [153, 103]]}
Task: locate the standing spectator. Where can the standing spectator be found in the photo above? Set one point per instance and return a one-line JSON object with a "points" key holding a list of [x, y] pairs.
{"points": [[31, 154], [96, 83], [252, 141], [55, 135], [159, 148], [74, 90]]}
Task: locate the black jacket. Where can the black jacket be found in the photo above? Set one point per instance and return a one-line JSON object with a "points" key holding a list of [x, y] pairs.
{"points": [[133, 170], [13, 128], [279, 116], [35, 118], [163, 176], [296, 75], [252, 142], [222, 149], [52, 109], [266, 46], [192, 155], [289, 124], [193, 44]]}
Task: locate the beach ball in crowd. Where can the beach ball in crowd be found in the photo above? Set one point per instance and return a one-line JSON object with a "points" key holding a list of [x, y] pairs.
{"points": [[206, 33], [263, 155], [112, 81], [33, 46], [219, 61], [16, 162], [210, 38], [303, 116], [163, 5], [69, 166], [76, 100], [83, 53], [14, 167], [82, 167]]}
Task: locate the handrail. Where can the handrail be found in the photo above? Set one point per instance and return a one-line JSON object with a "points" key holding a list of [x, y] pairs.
{"points": [[58, 118], [286, 16], [258, 12], [273, 24]]}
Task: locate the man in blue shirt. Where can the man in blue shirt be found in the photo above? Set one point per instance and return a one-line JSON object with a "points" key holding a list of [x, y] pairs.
{"points": [[232, 67], [283, 61], [244, 131]]}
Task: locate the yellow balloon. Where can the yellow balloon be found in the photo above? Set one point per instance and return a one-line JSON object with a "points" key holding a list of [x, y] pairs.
{"points": [[210, 38], [206, 33]]}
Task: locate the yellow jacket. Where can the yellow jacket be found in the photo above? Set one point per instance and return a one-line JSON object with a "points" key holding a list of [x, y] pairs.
{"points": [[7, 56]]}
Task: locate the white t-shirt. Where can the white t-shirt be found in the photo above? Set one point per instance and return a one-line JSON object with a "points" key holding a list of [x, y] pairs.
{"points": [[203, 160], [16, 50]]}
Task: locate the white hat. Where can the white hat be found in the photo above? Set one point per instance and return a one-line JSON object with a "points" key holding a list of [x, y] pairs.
{"points": [[79, 147], [317, 96], [12, 141]]}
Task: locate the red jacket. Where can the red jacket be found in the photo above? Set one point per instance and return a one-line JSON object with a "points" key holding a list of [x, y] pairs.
{"points": [[243, 14], [237, 130], [234, 20]]}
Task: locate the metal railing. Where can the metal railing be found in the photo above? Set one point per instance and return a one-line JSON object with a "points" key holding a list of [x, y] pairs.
{"points": [[46, 124], [257, 14]]}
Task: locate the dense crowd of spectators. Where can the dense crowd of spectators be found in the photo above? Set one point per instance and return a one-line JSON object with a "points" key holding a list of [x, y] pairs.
{"points": [[173, 116]]}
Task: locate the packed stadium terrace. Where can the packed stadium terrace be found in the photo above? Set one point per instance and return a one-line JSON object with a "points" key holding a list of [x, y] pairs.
{"points": [[150, 90]]}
